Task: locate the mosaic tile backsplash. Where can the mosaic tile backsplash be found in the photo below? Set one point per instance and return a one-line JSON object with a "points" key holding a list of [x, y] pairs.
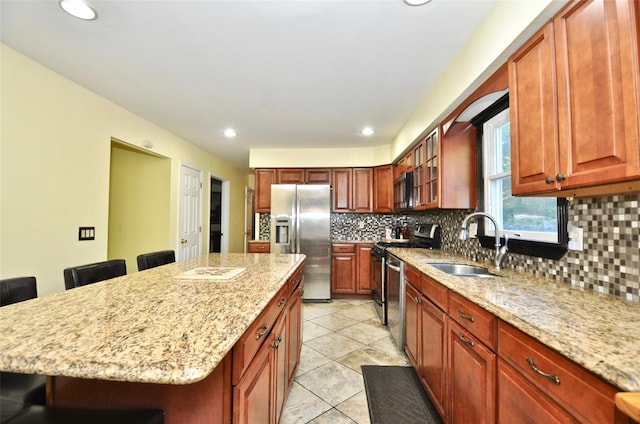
{"points": [[609, 263]]}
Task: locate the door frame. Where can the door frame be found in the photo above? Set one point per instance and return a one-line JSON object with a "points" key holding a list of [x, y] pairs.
{"points": [[224, 211]]}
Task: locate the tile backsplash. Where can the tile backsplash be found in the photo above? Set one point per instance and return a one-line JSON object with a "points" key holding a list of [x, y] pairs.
{"points": [[609, 263]]}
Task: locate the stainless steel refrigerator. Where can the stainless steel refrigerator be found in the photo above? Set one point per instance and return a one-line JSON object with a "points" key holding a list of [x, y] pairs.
{"points": [[300, 223]]}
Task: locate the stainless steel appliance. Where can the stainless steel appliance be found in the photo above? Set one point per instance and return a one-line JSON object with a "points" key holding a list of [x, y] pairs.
{"points": [[300, 223], [388, 276]]}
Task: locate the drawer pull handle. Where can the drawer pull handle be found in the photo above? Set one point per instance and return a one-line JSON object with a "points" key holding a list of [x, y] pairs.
{"points": [[264, 331], [277, 343], [467, 341], [552, 377], [282, 302], [417, 299], [465, 316]]}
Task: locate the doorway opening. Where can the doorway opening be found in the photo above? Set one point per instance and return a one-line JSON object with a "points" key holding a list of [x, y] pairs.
{"points": [[215, 217]]}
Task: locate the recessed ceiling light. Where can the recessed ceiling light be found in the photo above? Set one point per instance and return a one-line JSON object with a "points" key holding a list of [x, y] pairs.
{"points": [[78, 9], [416, 2], [230, 132], [367, 131]]}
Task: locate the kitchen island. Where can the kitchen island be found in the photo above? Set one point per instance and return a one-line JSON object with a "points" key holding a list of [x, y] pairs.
{"points": [[159, 337]]}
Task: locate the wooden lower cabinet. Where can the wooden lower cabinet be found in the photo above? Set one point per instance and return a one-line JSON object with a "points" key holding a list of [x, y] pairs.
{"points": [[260, 393], [521, 402], [351, 269], [433, 354], [364, 272], [413, 327], [472, 378]]}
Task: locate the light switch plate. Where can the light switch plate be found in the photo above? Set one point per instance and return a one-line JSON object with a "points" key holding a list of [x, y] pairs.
{"points": [[86, 233]]}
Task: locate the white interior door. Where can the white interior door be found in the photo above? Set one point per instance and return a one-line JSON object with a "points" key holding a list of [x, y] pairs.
{"points": [[190, 213]]}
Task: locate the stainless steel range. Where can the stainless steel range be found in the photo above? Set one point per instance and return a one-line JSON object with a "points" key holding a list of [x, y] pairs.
{"points": [[388, 275]]}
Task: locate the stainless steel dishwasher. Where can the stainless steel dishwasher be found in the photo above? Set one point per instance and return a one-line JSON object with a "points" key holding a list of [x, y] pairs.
{"points": [[395, 298]]}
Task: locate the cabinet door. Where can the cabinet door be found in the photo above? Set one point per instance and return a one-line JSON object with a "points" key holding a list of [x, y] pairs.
{"points": [[383, 189], [432, 350], [343, 273], [596, 45], [290, 176], [279, 341], [520, 402], [253, 396], [364, 276], [317, 176], [412, 324], [263, 180], [419, 158], [294, 334], [342, 186], [533, 115], [472, 376], [362, 200]]}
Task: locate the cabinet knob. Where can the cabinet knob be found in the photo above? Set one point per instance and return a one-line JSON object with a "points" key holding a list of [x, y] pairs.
{"points": [[561, 177], [549, 180]]}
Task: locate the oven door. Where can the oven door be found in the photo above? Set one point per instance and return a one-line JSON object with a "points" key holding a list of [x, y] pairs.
{"points": [[379, 289]]}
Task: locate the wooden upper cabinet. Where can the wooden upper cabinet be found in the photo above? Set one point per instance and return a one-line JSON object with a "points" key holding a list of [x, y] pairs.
{"points": [[581, 75], [457, 169], [419, 165], [352, 189], [598, 103], [317, 176], [263, 180], [383, 189], [290, 176], [533, 115], [362, 190]]}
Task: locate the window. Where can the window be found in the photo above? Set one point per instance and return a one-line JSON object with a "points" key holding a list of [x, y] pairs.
{"points": [[535, 225]]}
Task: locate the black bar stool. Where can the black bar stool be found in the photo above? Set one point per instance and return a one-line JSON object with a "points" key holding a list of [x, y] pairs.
{"points": [[154, 259], [64, 415], [93, 273]]}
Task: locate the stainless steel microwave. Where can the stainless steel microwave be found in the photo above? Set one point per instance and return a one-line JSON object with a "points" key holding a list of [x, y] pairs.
{"points": [[403, 192]]}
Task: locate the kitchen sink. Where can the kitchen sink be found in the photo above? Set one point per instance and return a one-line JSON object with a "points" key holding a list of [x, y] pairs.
{"points": [[462, 270]]}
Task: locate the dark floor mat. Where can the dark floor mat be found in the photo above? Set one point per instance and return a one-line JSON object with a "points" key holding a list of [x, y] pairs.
{"points": [[394, 395]]}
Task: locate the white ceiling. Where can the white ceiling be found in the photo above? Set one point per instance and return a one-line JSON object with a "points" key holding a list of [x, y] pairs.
{"points": [[283, 73]]}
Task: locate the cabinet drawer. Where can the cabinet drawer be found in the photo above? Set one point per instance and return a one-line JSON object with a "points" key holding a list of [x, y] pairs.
{"points": [[343, 248], [472, 317], [294, 281], [246, 348], [412, 276], [259, 247], [435, 292], [582, 394]]}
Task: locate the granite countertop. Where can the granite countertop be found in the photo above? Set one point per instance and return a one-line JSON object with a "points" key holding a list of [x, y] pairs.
{"points": [[143, 327], [352, 241], [598, 331]]}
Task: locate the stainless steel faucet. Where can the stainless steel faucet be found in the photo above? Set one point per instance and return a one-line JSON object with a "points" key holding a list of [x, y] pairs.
{"points": [[501, 251]]}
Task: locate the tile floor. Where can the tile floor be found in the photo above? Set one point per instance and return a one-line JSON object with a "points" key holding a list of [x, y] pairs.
{"points": [[338, 337]]}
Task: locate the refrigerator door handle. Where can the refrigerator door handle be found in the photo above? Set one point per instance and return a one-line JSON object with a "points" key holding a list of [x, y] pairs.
{"points": [[296, 220]]}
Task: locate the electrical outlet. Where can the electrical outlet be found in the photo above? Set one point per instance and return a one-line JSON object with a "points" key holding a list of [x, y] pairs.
{"points": [[361, 225], [576, 238]]}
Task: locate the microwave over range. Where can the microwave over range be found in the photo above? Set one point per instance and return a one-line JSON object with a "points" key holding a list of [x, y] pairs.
{"points": [[403, 191]]}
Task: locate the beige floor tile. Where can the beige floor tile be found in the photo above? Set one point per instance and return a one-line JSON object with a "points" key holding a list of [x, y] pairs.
{"points": [[371, 356], [334, 322], [334, 345], [356, 408], [311, 359], [314, 310], [388, 345], [302, 406], [333, 416], [311, 330], [360, 312], [334, 383], [364, 332]]}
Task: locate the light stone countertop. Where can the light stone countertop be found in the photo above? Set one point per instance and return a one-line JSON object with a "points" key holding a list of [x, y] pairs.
{"points": [[598, 331], [143, 327]]}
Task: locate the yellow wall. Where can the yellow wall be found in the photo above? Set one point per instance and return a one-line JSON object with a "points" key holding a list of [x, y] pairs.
{"points": [[139, 204], [55, 143]]}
